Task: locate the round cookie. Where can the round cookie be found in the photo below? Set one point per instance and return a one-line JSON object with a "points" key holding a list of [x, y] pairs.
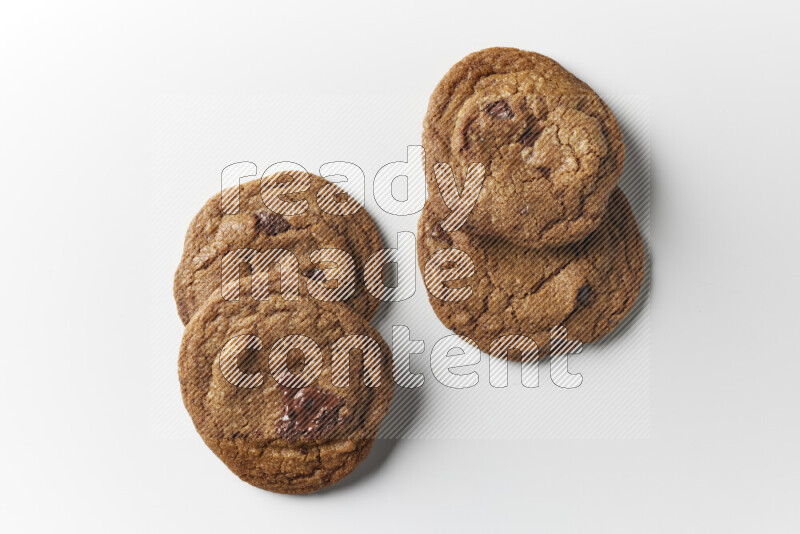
{"points": [[552, 150], [212, 235], [586, 287], [252, 411]]}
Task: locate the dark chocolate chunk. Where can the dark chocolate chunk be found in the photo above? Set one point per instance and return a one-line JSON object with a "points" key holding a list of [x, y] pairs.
{"points": [[310, 413], [438, 233], [315, 274], [270, 223], [529, 136], [500, 110]]}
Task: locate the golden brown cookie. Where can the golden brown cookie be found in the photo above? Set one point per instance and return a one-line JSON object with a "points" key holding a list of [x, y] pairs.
{"points": [[288, 394], [587, 287], [212, 235], [551, 148]]}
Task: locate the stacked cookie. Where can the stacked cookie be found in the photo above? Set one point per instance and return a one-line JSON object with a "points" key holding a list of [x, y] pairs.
{"points": [[525, 229], [280, 370]]}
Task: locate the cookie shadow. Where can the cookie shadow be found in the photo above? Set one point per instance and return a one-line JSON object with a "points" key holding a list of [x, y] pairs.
{"points": [[637, 184], [404, 410], [381, 450]]}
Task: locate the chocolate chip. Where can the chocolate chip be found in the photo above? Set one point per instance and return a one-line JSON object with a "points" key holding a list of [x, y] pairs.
{"points": [[270, 223], [585, 295], [315, 274], [438, 233], [529, 136], [309, 413], [500, 110]]}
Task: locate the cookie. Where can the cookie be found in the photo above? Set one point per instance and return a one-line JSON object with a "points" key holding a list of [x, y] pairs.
{"points": [[288, 394], [551, 149], [587, 287], [212, 235]]}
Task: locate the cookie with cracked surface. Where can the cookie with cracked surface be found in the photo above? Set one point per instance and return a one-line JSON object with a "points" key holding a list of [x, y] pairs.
{"points": [[288, 394], [552, 150], [212, 234], [587, 287]]}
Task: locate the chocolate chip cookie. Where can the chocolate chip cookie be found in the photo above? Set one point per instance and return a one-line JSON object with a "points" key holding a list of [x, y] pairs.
{"points": [[551, 149], [483, 287], [213, 233], [288, 394]]}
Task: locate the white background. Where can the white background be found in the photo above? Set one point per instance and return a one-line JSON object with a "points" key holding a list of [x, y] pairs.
{"points": [[78, 88]]}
